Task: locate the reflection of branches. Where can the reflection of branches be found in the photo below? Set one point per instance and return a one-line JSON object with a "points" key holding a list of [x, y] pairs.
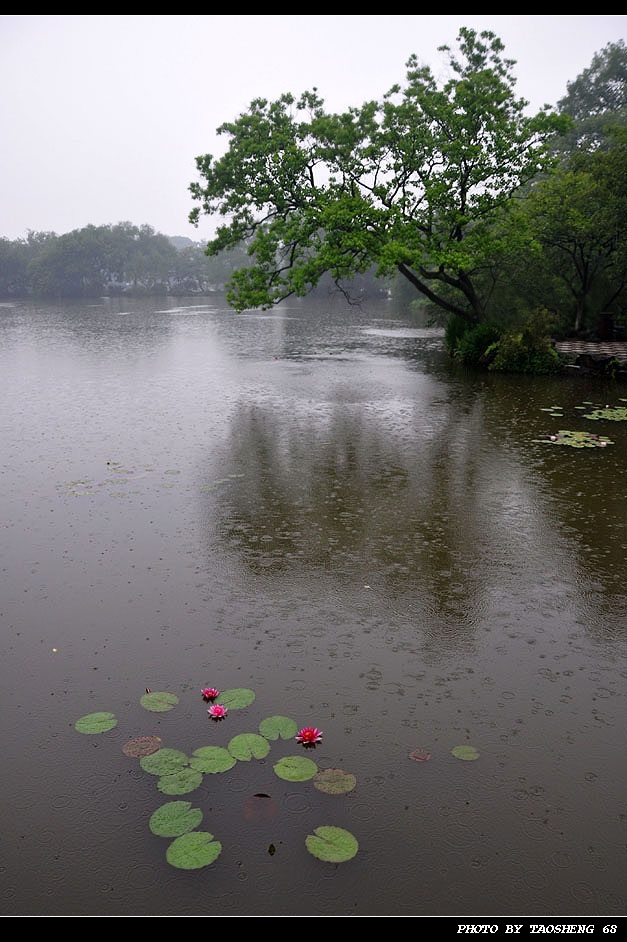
{"points": [[436, 504], [347, 496]]}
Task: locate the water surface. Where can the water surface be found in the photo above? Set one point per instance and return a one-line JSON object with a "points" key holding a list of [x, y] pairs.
{"points": [[315, 504]]}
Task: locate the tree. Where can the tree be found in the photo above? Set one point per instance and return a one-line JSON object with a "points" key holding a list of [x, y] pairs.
{"points": [[579, 217], [410, 184], [596, 99]]}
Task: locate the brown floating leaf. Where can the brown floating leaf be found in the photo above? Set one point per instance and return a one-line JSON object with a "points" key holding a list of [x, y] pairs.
{"points": [[142, 746]]}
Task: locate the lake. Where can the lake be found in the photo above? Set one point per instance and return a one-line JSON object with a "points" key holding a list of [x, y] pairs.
{"points": [[313, 510]]}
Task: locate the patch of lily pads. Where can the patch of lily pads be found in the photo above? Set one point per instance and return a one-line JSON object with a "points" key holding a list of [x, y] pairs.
{"points": [[178, 774], [575, 439], [611, 413], [582, 439]]}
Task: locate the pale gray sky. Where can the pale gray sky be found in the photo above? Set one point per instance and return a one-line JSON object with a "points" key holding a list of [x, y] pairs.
{"points": [[103, 116]]}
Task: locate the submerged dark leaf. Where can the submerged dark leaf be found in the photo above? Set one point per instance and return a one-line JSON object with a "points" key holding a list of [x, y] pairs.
{"points": [[260, 807]]}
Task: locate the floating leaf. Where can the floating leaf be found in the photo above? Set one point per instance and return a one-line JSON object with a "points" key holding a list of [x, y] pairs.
{"points": [[141, 746], [159, 702], [278, 727], [164, 761], [332, 844], [295, 768], [193, 851], [96, 723], [468, 753], [179, 783], [237, 698], [175, 818], [334, 781], [212, 759], [420, 755], [249, 746]]}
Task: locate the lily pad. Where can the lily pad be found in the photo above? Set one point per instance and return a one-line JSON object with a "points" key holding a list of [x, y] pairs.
{"points": [[420, 755], [96, 723], [212, 759], [159, 702], [164, 761], [332, 844], [249, 746], [334, 781], [278, 727], [193, 851], [141, 746], [237, 698], [468, 753], [175, 818], [179, 783], [295, 768]]}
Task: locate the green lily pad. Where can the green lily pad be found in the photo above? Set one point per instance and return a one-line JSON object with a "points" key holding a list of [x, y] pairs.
{"points": [[193, 851], [332, 844], [237, 698], [175, 818], [159, 702], [468, 753], [212, 759], [295, 768], [278, 727], [249, 746], [179, 783], [164, 761], [334, 781], [96, 723]]}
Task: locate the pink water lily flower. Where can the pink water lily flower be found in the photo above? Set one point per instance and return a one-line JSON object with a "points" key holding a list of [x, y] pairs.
{"points": [[309, 736], [209, 693], [217, 711]]}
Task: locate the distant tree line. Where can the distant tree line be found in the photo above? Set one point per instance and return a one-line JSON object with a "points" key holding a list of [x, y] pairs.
{"points": [[120, 259], [113, 259]]}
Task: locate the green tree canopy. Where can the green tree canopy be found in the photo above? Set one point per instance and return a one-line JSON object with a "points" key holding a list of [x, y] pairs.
{"points": [[409, 184], [596, 99], [578, 215]]}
